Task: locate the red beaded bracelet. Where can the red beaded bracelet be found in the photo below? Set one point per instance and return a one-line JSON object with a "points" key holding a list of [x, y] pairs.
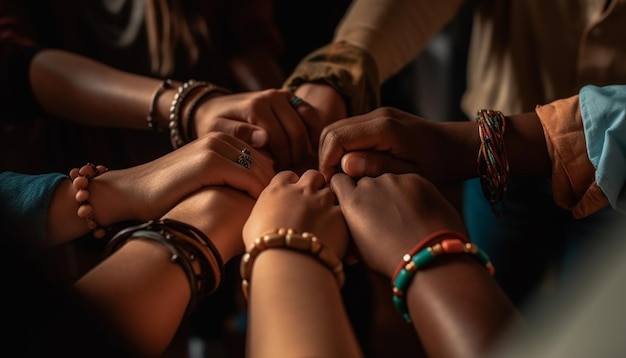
{"points": [[80, 179], [424, 243]]}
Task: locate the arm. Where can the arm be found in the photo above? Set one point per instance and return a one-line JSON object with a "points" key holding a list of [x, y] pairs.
{"points": [[146, 298], [295, 304], [390, 140], [452, 297], [149, 190]]}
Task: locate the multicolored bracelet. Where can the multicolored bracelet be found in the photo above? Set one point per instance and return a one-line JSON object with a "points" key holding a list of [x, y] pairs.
{"points": [[420, 260], [80, 180], [306, 243], [492, 162]]}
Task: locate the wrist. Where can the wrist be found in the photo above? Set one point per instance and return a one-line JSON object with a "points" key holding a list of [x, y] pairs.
{"points": [[325, 99], [463, 144]]}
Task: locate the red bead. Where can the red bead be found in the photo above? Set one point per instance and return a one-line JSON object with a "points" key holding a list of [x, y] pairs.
{"points": [[452, 246]]}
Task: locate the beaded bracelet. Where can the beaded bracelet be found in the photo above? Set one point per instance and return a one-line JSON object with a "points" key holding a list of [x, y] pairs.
{"points": [[186, 244], [306, 243], [437, 235], [177, 138], [492, 162], [152, 123], [422, 259], [80, 180]]}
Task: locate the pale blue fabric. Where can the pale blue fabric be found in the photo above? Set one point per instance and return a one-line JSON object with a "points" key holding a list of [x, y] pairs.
{"points": [[24, 202], [603, 111]]}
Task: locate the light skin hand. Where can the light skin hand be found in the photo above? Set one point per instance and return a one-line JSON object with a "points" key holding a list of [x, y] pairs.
{"points": [[266, 120], [390, 140], [302, 203], [384, 229], [148, 191]]}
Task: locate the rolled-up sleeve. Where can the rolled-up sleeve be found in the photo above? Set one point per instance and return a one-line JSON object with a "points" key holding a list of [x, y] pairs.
{"points": [[604, 120], [24, 203], [573, 174]]}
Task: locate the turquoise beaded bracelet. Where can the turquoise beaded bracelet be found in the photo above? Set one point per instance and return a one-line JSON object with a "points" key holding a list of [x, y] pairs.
{"points": [[422, 259]]}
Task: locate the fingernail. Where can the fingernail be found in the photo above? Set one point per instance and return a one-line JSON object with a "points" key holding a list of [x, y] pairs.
{"points": [[353, 165], [259, 138]]}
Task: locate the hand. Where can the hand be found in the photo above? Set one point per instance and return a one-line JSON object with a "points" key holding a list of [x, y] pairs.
{"points": [[388, 215], [389, 140], [303, 204], [149, 190], [266, 120]]}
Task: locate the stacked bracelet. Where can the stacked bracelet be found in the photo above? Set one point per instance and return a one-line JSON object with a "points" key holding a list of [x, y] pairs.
{"points": [[152, 123], [282, 238], [186, 245], [422, 258], [80, 180], [178, 136], [207, 91], [492, 162]]}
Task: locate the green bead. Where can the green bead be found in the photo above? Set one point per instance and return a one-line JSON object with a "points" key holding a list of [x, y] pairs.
{"points": [[482, 257], [401, 306], [422, 258], [403, 280]]}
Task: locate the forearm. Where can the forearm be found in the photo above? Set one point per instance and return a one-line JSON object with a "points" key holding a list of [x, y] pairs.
{"points": [[292, 295], [220, 212], [74, 87], [394, 32], [145, 299], [524, 143], [455, 300]]}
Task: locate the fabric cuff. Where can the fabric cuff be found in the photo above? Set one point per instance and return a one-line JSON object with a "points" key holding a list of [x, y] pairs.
{"points": [[573, 175], [351, 71]]}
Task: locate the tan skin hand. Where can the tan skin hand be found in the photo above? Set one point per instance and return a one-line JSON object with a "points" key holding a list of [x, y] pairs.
{"points": [[416, 209], [264, 119], [303, 203], [148, 191]]}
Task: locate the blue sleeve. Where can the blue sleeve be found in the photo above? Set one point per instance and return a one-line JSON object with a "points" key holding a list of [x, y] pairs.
{"points": [[24, 202], [603, 112]]}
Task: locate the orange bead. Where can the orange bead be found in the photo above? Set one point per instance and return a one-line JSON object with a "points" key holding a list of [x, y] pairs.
{"points": [[452, 246]]}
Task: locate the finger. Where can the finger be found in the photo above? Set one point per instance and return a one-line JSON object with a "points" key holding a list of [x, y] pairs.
{"points": [[285, 177], [355, 133], [293, 126], [252, 134], [373, 164], [311, 120], [261, 159], [342, 185], [313, 179], [278, 143], [236, 176]]}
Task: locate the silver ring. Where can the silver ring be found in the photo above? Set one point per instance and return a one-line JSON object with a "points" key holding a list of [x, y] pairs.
{"points": [[245, 159], [296, 101]]}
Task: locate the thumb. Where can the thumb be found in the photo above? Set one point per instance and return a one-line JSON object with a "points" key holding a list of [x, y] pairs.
{"points": [[341, 185], [254, 135], [373, 164]]}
